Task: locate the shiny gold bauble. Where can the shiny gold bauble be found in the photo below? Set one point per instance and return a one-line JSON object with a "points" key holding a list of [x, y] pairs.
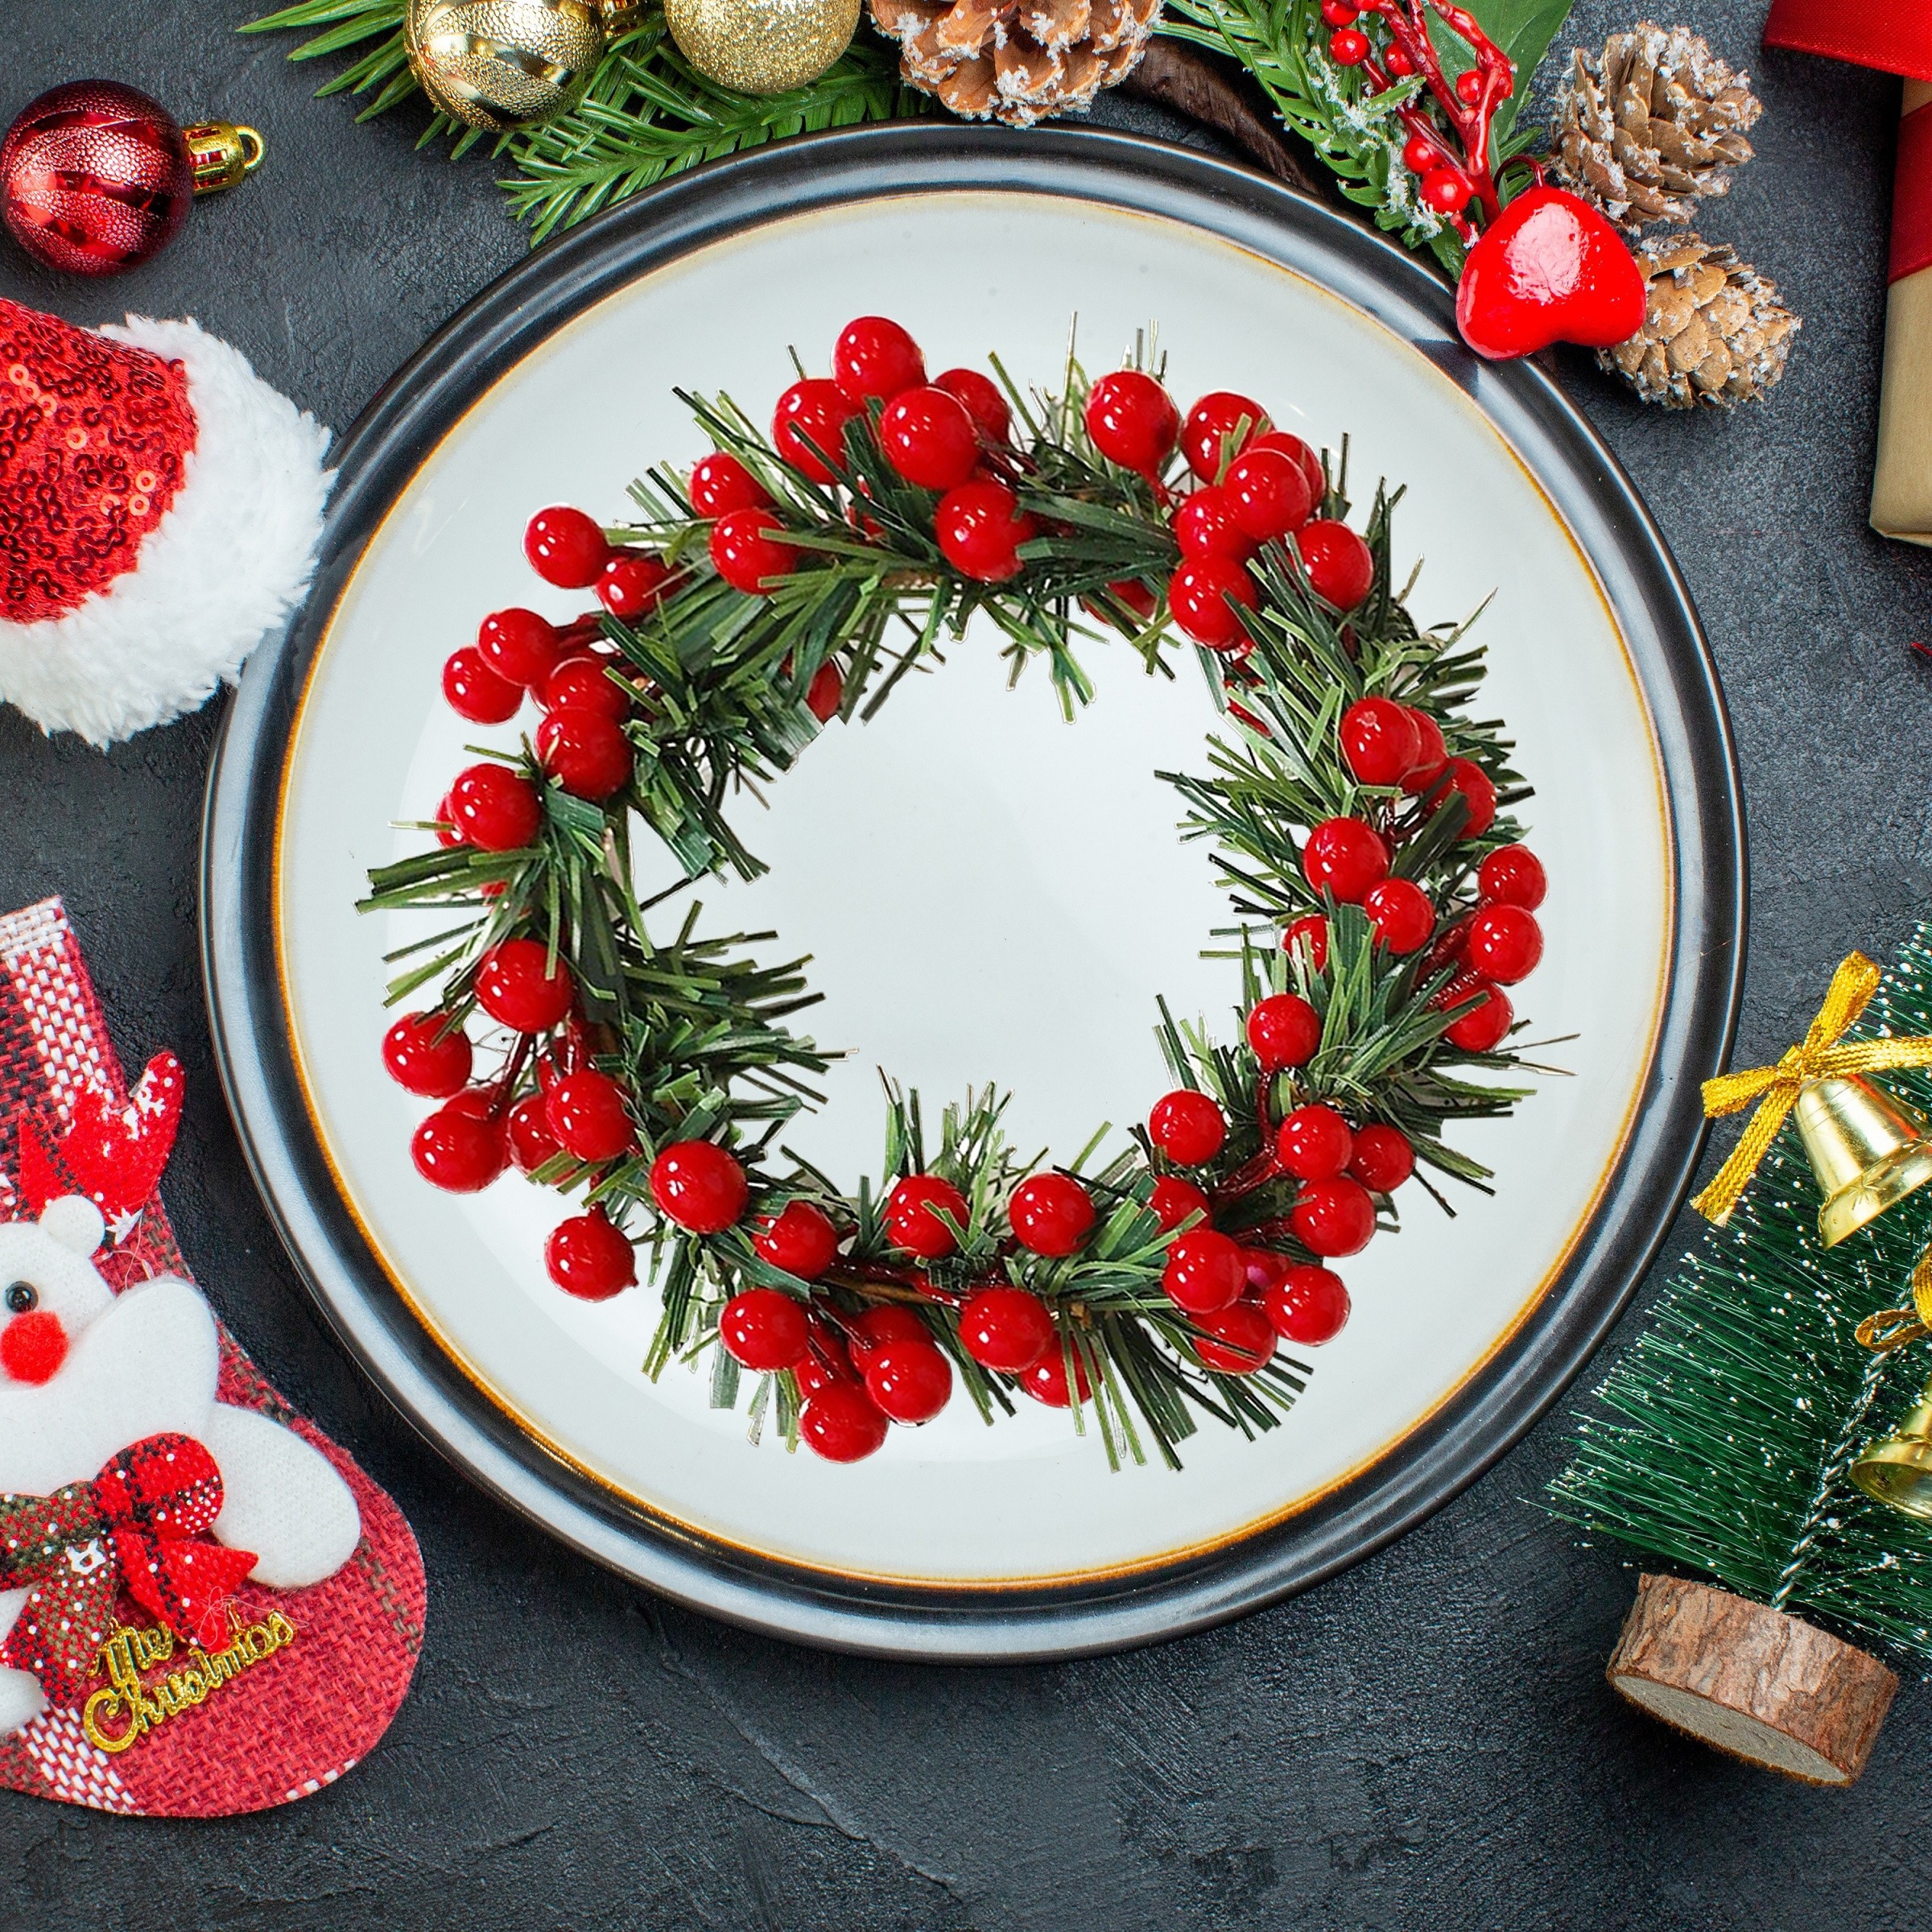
{"points": [[761, 47], [504, 64]]}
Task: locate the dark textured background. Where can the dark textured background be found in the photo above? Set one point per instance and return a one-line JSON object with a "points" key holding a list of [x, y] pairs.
{"points": [[1426, 1741]]}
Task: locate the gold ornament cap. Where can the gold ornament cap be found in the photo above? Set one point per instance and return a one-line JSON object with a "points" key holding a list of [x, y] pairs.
{"points": [[222, 154], [761, 47], [1867, 1150], [1898, 1471], [503, 64]]}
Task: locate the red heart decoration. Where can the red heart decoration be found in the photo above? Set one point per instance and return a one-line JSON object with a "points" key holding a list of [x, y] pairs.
{"points": [[1549, 269], [113, 1155]]}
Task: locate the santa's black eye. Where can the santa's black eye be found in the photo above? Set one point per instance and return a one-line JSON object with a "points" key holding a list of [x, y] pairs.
{"points": [[22, 1296]]}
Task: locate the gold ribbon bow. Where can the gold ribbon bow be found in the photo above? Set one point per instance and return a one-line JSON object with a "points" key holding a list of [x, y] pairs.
{"points": [[1820, 1056]]}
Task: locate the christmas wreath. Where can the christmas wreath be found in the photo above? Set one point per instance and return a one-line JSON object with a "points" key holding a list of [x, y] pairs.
{"points": [[1360, 817]]}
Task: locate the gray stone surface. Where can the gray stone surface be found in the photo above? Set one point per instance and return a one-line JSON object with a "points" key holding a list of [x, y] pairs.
{"points": [[1426, 1741]]}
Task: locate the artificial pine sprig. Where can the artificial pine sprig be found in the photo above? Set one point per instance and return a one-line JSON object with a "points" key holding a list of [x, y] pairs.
{"points": [[725, 688]]}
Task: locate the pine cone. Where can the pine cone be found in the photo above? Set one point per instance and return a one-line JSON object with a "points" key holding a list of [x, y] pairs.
{"points": [[1714, 329], [1653, 125], [1016, 60]]}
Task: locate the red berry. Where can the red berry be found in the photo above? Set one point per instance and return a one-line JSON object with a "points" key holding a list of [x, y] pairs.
{"points": [[531, 1143], [579, 684], [1340, 566], [1202, 593], [1447, 190], [1349, 47], [585, 753], [1395, 64], [1513, 875], [590, 1258], [842, 1423], [808, 426], [698, 1186], [911, 1381], [983, 402], [1309, 1307], [763, 1329], [1379, 741], [826, 692], [1345, 857], [1469, 87], [516, 986], [447, 834], [585, 1111], [565, 547], [1046, 1381], [1188, 1126], [518, 645], [1050, 1213], [631, 583], [1431, 756], [1133, 421], [929, 438], [1504, 944], [1284, 1030], [825, 1362], [719, 484], [1303, 454], [1204, 526], [1340, 13], [475, 692], [912, 1215], [494, 809], [1333, 1217], [1267, 492], [1135, 596], [745, 551], [1383, 1159], [1205, 1271], [801, 1240], [1399, 911], [1483, 1030], [427, 1056], [1235, 1341], [1005, 1329], [874, 357], [1420, 154], [981, 528], [873, 1329], [1264, 1267], [1174, 1200], [461, 1146], [1219, 427], [1310, 935], [1464, 775], [1314, 1143]]}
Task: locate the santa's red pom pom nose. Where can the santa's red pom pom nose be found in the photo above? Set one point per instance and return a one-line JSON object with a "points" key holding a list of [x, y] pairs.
{"points": [[33, 1346]]}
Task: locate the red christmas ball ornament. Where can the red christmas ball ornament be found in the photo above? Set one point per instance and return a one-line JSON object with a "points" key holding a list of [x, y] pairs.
{"points": [[94, 178], [1202, 594], [1046, 1381], [908, 1380], [1005, 1329], [1052, 1213], [474, 691], [1205, 1270], [1284, 1030], [425, 1055], [585, 1111], [1308, 1306], [518, 645], [565, 547], [699, 1186], [874, 357], [531, 1143], [926, 435], [746, 553], [912, 1215], [589, 1257], [1344, 857], [585, 753], [1431, 755], [631, 583], [461, 1147], [517, 986], [1188, 1126], [1173, 1200], [1478, 791], [1382, 1158], [1218, 429], [1340, 566], [1267, 492], [1399, 911], [1513, 875], [1204, 526], [1133, 421], [763, 1329], [801, 1240], [1235, 1341], [719, 484], [579, 684], [1550, 269], [1308, 936], [1333, 1217], [980, 394], [842, 1423], [1314, 1143], [979, 527], [808, 426], [1483, 1029], [494, 809], [1379, 741], [1503, 943]]}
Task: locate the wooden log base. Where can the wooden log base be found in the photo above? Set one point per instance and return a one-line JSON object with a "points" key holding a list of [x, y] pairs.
{"points": [[1765, 1687]]}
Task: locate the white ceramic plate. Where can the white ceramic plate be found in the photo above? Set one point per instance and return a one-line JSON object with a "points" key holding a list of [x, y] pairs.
{"points": [[989, 894]]}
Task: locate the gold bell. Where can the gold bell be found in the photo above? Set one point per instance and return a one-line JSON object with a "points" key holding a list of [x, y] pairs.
{"points": [[1867, 1150], [1898, 1470]]}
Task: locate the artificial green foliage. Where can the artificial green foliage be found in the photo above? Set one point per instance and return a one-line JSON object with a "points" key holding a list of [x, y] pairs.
{"points": [[1725, 1433]]}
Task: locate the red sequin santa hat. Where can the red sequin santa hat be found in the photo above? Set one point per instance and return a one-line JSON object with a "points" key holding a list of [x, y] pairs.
{"points": [[159, 510]]}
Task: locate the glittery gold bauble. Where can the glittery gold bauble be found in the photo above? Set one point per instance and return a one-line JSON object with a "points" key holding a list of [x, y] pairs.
{"points": [[761, 47], [504, 64]]}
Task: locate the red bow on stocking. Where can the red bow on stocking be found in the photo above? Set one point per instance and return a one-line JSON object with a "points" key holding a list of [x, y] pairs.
{"points": [[140, 1525]]}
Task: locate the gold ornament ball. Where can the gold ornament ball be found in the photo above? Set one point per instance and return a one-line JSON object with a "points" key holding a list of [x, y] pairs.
{"points": [[761, 47], [503, 63]]}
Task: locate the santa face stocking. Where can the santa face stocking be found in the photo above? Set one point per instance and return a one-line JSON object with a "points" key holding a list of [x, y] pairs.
{"points": [[205, 1607]]}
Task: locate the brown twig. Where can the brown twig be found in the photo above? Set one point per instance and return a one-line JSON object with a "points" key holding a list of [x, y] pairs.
{"points": [[1174, 75]]}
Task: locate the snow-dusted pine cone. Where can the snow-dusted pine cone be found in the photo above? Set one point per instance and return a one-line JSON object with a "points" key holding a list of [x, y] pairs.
{"points": [[1652, 125], [1016, 60], [1714, 332]]}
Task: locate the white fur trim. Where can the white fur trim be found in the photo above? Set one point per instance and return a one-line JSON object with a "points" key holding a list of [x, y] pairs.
{"points": [[229, 561]]}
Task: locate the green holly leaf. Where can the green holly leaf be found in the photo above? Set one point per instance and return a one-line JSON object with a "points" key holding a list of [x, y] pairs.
{"points": [[1523, 29]]}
